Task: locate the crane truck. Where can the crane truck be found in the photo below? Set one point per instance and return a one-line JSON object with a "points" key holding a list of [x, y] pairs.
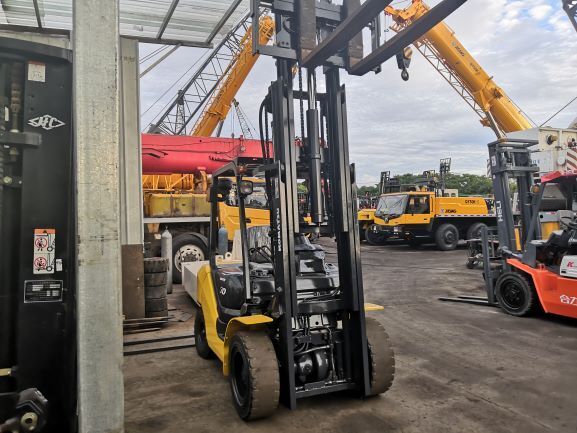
{"points": [[178, 159]]}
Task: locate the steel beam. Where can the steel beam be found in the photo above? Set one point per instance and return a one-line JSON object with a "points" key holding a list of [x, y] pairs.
{"points": [[167, 18], [131, 233], [406, 36], [222, 20], [344, 32], [96, 124]]}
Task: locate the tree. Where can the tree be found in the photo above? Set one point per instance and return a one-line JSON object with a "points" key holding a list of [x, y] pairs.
{"points": [[467, 184]]}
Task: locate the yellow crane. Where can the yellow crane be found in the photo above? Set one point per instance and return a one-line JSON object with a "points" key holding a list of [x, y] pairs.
{"points": [[219, 104], [445, 52]]}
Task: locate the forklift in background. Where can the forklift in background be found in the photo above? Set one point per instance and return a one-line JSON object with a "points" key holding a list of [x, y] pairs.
{"points": [[535, 268], [37, 248], [285, 322]]}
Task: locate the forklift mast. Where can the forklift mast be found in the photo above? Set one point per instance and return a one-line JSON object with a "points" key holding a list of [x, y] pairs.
{"points": [[321, 161], [510, 160]]}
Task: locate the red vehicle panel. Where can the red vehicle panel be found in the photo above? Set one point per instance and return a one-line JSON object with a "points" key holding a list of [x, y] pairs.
{"points": [[558, 295]]}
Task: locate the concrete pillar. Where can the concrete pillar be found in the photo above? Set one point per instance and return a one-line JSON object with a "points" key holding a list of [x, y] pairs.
{"points": [[131, 233], [99, 308]]}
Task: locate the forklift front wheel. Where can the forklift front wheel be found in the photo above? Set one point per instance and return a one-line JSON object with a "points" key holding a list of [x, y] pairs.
{"points": [[254, 375], [516, 294], [381, 357], [200, 340]]}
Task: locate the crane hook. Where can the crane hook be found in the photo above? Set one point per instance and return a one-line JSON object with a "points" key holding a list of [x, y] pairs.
{"points": [[405, 75]]}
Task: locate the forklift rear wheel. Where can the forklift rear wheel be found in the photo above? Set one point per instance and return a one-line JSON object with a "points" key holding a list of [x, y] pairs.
{"points": [[200, 340], [516, 294], [447, 237], [381, 357], [254, 376], [375, 238]]}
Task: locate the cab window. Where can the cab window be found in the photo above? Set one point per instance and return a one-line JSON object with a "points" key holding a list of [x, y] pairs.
{"points": [[257, 200], [418, 205]]}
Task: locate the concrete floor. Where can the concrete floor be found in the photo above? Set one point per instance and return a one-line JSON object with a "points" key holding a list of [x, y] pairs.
{"points": [[460, 368]]}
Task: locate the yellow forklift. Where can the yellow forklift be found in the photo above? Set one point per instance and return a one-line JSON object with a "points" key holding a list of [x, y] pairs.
{"points": [[285, 322]]}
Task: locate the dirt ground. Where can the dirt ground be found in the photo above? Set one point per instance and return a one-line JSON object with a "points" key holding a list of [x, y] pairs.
{"points": [[459, 367]]}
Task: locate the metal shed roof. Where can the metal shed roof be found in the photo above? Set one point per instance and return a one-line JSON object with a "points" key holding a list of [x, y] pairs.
{"points": [[187, 22]]}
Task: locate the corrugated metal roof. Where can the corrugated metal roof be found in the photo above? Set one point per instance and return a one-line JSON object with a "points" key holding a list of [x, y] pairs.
{"points": [[189, 22]]}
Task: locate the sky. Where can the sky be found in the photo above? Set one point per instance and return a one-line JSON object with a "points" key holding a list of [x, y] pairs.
{"points": [[529, 47]]}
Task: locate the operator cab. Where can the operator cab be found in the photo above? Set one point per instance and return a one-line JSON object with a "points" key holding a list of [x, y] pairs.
{"points": [[558, 251], [244, 278], [391, 206]]}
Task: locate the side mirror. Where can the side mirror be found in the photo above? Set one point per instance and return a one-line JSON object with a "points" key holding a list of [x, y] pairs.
{"points": [[245, 188]]}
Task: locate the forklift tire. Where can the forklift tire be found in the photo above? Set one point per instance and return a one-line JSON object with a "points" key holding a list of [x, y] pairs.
{"points": [[155, 279], [516, 294], [200, 341], [375, 239], [254, 376], [155, 265], [186, 246], [474, 230], [447, 237], [381, 357], [155, 292]]}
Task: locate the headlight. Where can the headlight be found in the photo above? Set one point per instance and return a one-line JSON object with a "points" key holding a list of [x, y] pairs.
{"points": [[396, 229]]}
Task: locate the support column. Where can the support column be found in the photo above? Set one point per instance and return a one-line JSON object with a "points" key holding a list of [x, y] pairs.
{"points": [[99, 309], [131, 233]]}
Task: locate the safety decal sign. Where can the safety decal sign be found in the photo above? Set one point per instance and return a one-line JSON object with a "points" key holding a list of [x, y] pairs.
{"points": [[44, 251]]}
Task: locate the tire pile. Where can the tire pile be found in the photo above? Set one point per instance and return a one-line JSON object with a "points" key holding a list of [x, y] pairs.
{"points": [[155, 279]]}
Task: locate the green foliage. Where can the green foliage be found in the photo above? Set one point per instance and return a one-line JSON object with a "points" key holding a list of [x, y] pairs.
{"points": [[467, 184]]}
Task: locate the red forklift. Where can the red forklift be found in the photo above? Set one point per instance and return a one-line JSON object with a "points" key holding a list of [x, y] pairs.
{"points": [[536, 267]]}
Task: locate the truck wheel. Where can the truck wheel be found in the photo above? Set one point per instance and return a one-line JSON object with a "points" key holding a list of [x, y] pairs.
{"points": [[381, 357], [374, 238], [254, 376], [200, 340], [474, 230], [516, 294], [186, 248], [447, 237]]}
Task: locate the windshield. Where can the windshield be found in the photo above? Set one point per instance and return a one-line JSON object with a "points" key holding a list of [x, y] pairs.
{"points": [[256, 200], [391, 205]]}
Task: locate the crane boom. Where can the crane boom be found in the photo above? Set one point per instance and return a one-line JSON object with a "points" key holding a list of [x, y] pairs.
{"points": [[445, 52], [221, 100]]}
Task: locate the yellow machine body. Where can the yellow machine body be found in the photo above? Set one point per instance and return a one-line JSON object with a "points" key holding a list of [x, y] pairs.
{"points": [[208, 303], [446, 207]]}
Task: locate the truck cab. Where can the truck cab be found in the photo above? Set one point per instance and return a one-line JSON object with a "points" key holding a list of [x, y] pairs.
{"points": [[422, 216]]}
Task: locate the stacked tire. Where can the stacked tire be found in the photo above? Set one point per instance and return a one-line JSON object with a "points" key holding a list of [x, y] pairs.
{"points": [[155, 279]]}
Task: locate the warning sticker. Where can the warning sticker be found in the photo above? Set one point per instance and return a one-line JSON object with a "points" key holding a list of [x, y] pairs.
{"points": [[44, 251], [37, 72], [43, 290]]}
